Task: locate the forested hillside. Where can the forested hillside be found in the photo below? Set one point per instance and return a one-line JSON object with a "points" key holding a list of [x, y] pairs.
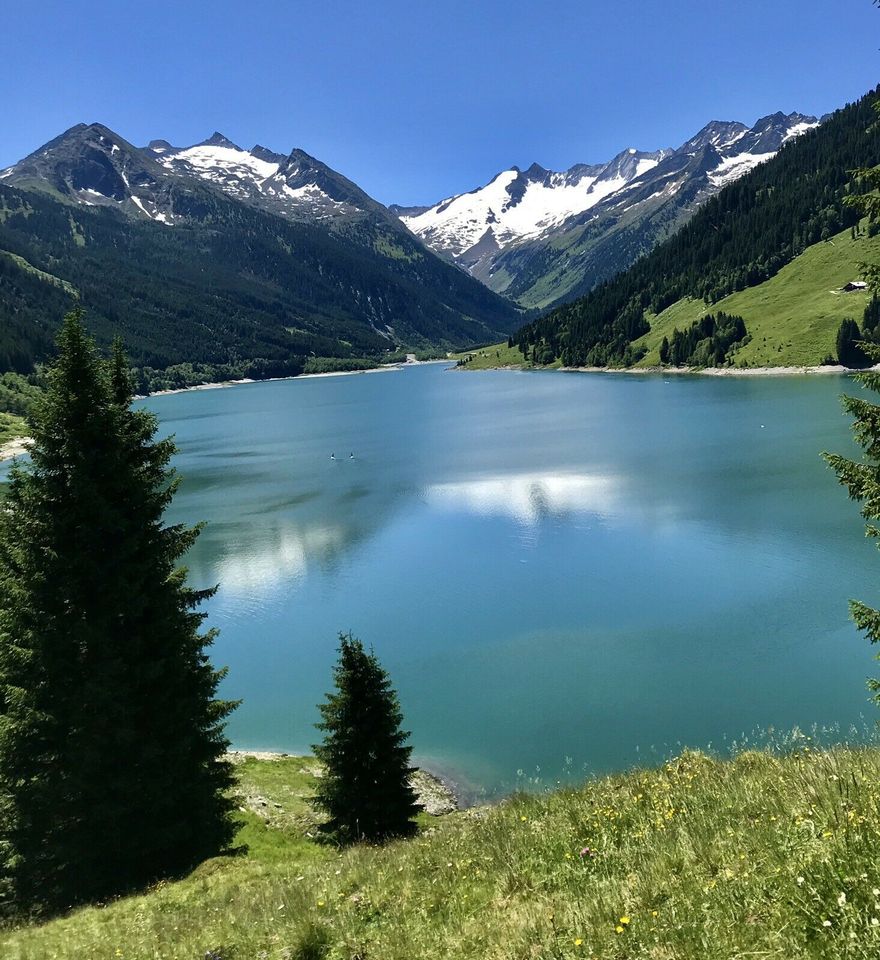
{"points": [[738, 240], [226, 284]]}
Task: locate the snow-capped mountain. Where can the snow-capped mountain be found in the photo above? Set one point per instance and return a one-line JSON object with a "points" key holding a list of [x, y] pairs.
{"points": [[93, 166], [297, 185], [538, 235], [281, 243], [518, 204]]}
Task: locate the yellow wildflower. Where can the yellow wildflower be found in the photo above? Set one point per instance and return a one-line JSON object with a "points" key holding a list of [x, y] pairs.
{"points": [[625, 921], [578, 942]]}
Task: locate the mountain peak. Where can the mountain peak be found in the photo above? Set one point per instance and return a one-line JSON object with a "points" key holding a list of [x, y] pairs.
{"points": [[160, 146], [217, 139], [634, 195], [264, 153], [535, 172]]}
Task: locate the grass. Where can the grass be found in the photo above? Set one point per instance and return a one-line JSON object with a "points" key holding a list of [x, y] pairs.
{"points": [[492, 357], [759, 856], [23, 264], [11, 426], [793, 317]]}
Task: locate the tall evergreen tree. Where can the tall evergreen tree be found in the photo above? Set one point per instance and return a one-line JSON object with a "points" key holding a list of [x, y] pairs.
{"points": [[664, 351], [849, 348], [112, 770], [862, 480], [365, 790]]}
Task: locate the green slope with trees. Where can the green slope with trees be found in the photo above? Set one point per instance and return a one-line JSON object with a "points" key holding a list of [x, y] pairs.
{"points": [[792, 319], [738, 240], [231, 286]]}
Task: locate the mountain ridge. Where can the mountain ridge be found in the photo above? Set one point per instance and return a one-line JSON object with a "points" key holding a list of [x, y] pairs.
{"points": [[541, 236], [744, 235], [327, 271]]}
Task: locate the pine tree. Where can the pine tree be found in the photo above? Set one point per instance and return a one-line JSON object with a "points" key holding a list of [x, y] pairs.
{"points": [[862, 480], [365, 790], [849, 350], [112, 770]]}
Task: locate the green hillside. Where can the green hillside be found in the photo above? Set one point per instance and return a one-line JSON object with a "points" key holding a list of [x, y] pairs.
{"points": [[699, 859], [230, 285], [793, 317], [737, 241]]}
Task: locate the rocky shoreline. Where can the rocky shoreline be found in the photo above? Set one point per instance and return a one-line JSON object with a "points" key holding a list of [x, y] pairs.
{"points": [[437, 796]]}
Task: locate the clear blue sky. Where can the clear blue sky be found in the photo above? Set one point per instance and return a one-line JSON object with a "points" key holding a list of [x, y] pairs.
{"points": [[419, 99]]}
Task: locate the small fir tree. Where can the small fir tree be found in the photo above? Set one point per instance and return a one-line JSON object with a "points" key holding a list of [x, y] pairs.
{"points": [[365, 790], [112, 770]]}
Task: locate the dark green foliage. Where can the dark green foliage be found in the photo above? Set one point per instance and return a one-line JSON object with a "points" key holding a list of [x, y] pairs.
{"points": [[707, 342], [871, 320], [18, 392], [112, 770], [862, 479], [664, 351], [849, 340], [313, 942], [365, 790], [179, 376], [337, 364], [226, 285], [738, 239]]}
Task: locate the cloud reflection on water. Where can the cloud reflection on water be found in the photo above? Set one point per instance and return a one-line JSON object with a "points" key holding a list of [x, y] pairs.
{"points": [[282, 553], [529, 497]]}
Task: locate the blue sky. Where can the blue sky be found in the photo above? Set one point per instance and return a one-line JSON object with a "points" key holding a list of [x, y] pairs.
{"points": [[419, 99]]}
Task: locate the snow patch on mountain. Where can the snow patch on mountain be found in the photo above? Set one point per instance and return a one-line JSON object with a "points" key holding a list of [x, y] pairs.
{"points": [[209, 161], [732, 168], [518, 207], [800, 128]]}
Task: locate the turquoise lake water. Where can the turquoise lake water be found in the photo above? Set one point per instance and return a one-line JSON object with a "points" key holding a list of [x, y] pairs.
{"points": [[562, 572]]}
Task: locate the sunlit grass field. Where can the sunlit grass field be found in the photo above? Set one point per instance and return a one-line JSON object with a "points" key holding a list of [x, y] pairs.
{"points": [[793, 317], [759, 856]]}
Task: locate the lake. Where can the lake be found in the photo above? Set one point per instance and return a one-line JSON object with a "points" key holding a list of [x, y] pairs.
{"points": [[563, 573]]}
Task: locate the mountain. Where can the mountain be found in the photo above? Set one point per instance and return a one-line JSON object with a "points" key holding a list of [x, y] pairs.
{"points": [[215, 254], [542, 237], [752, 228], [296, 186]]}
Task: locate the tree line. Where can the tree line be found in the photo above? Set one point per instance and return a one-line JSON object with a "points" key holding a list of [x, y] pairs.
{"points": [[707, 342]]}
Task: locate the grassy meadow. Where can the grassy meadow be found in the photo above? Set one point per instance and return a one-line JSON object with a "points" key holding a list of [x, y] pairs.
{"points": [[492, 357], [793, 317], [759, 856]]}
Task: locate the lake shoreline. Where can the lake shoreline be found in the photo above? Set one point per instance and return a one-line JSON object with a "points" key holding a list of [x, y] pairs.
{"points": [[14, 448], [225, 384], [788, 371]]}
